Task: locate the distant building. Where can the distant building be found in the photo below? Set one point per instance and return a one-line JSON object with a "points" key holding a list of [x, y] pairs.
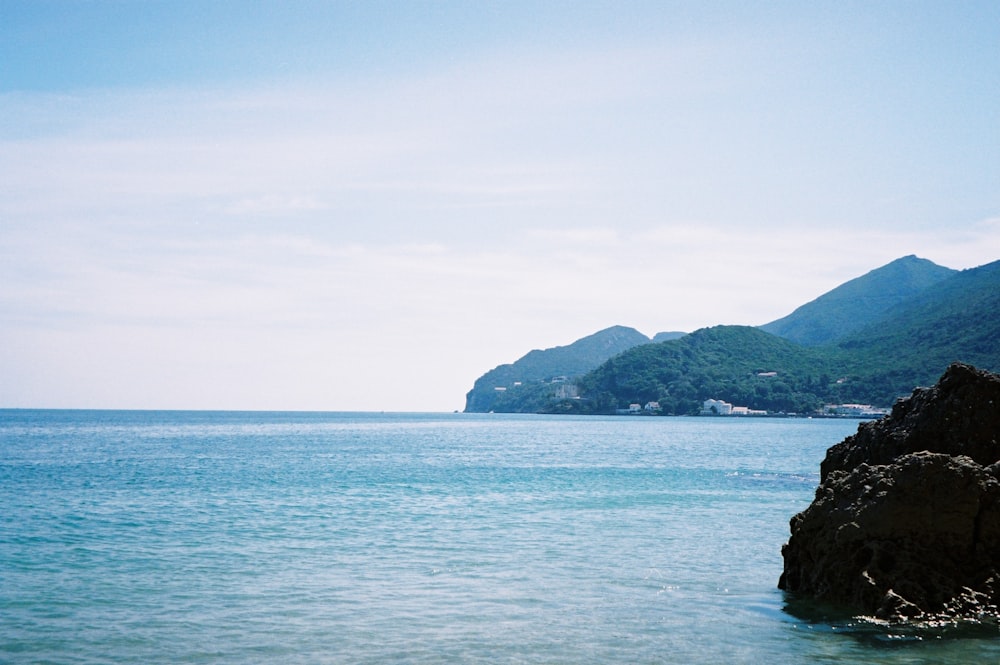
{"points": [[856, 410], [651, 407], [636, 409], [716, 407], [747, 411]]}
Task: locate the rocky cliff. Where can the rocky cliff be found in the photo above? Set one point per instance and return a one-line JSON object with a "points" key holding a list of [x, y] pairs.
{"points": [[906, 520]]}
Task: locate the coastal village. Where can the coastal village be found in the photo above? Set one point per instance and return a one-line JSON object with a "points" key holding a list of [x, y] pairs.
{"points": [[718, 407]]}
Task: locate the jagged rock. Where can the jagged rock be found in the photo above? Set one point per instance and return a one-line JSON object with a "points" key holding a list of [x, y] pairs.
{"points": [[958, 416], [906, 520]]}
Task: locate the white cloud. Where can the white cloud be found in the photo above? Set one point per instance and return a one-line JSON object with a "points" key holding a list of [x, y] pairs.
{"points": [[274, 205], [595, 237]]}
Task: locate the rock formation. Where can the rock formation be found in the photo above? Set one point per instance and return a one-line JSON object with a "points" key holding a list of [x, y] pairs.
{"points": [[906, 520]]}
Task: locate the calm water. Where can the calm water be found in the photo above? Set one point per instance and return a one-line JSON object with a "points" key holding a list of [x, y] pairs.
{"points": [[166, 537]]}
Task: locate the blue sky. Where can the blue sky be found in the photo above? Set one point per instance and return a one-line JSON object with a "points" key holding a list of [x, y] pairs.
{"points": [[365, 206]]}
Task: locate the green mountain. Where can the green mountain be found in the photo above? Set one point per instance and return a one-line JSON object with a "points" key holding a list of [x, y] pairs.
{"points": [[543, 375], [859, 302], [956, 319], [897, 343], [739, 364], [908, 345]]}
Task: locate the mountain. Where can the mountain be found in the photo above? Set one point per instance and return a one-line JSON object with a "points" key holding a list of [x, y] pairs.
{"points": [[908, 345], [739, 364], [509, 387], [859, 302], [911, 320], [956, 319]]}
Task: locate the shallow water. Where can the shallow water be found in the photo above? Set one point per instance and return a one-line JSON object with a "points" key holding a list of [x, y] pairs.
{"points": [[162, 537]]}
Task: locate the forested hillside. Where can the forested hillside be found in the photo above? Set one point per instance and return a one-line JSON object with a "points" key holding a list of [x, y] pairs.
{"points": [[859, 302], [738, 364], [528, 382], [911, 344], [904, 342], [957, 319]]}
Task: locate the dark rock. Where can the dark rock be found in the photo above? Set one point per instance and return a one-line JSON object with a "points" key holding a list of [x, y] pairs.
{"points": [[906, 520], [958, 416]]}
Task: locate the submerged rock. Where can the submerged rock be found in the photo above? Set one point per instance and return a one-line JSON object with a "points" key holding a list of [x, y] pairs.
{"points": [[906, 520]]}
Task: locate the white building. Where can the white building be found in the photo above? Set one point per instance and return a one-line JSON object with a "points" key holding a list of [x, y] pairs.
{"points": [[747, 411], [716, 407]]}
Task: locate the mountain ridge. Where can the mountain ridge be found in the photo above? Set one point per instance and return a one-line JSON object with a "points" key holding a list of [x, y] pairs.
{"points": [[560, 362], [929, 317], [858, 302], [956, 320]]}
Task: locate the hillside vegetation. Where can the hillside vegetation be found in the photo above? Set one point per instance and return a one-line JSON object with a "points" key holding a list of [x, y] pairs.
{"points": [[859, 302], [909, 345], [957, 319], [532, 375], [738, 364], [923, 318]]}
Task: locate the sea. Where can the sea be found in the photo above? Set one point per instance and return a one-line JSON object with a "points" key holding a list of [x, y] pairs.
{"points": [[265, 537]]}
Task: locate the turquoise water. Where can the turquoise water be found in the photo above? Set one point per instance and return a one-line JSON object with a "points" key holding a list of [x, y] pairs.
{"points": [[167, 537]]}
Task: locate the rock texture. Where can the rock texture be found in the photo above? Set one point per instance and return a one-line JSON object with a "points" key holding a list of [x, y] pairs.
{"points": [[906, 520]]}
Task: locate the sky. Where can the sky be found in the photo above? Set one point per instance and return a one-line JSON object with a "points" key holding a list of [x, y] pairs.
{"points": [[364, 206]]}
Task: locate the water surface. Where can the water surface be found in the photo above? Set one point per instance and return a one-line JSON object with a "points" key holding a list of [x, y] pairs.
{"points": [[164, 537]]}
